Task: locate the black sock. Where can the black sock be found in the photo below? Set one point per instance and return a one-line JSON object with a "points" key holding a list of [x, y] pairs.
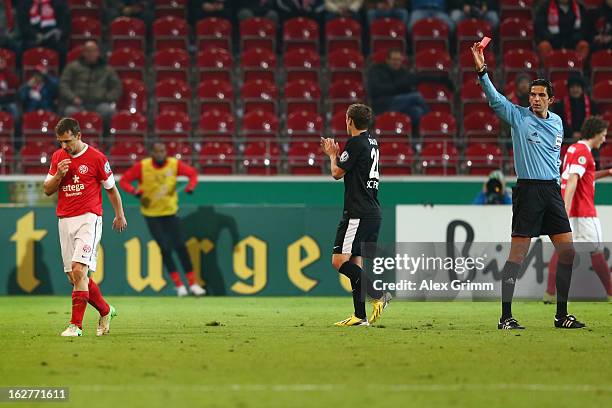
{"points": [[564, 278], [349, 268], [355, 274], [509, 275]]}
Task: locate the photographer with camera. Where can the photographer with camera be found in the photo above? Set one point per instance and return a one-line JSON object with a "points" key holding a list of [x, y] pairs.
{"points": [[494, 190]]}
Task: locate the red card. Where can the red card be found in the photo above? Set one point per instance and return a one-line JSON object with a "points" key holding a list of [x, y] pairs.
{"points": [[484, 42]]}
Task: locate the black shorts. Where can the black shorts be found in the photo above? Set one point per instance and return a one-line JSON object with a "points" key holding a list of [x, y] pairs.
{"points": [[353, 232], [538, 209]]}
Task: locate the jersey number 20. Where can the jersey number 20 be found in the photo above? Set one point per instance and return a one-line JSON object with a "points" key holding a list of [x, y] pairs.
{"points": [[374, 170]]}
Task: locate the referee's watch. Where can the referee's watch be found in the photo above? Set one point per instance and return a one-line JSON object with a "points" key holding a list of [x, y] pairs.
{"points": [[482, 70]]}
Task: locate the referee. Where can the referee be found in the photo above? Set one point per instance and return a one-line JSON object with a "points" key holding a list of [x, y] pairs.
{"points": [[156, 177], [537, 206], [361, 218]]}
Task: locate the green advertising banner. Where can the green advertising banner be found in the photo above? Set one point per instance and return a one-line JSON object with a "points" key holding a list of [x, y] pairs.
{"points": [[236, 250]]}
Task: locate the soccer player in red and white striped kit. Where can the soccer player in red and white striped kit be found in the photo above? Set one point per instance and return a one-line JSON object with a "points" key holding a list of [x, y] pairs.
{"points": [[578, 190], [77, 173]]}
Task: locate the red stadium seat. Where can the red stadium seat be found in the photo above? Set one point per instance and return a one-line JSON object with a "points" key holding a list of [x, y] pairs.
{"points": [[9, 57], [39, 56], [302, 64], [134, 97], [74, 54], [180, 150], [602, 96], [300, 32], [466, 65], [261, 158], [259, 95], [260, 124], [35, 156], [302, 95], [170, 32], [516, 61], [607, 116], [215, 95], [126, 32], [214, 32], [605, 156], [124, 155], [470, 31], [305, 125], [481, 126], [601, 66], [39, 125], [305, 158], [396, 158], [257, 32], [172, 125], [91, 124], [215, 63], [560, 87], [217, 158], [172, 63], [561, 62], [217, 125], [170, 8], [172, 95], [85, 8], [345, 64], [343, 33], [473, 98], [84, 29], [430, 33], [482, 158], [592, 4], [7, 128], [516, 34], [438, 97], [392, 127], [387, 33], [128, 127], [521, 9], [437, 125], [337, 125], [258, 64], [439, 158], [344, 93], [434, 62], [7, 158], [128, 63]]}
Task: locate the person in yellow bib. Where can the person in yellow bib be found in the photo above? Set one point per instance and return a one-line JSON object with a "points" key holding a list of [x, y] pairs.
{"points": [[156, 188]]}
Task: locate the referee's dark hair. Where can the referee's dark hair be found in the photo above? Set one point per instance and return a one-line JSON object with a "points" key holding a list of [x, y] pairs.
{"points": [[67, 124], [592, 126], [360, 114], [545, 83]]}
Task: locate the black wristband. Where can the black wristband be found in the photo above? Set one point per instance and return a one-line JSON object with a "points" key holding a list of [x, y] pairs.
{"points": [[483, 71]]}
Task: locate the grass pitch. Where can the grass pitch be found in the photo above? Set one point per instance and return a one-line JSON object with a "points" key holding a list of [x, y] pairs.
{"points": [[284, 352]]}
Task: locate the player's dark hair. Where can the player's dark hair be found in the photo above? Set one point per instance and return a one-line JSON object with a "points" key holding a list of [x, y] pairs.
{"points": [[66, 125], [545, 83], [360, 114], [592, 126]]}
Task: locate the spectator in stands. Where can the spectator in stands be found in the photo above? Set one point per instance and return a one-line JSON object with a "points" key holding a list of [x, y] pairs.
{"points": [[560, 24], [313, 9], [7, 26], [199, 9], [142, 9], [575, 107], [44, 23], [600, 30], [393, 88], [90, 84], [8, 89], [520, 93], [494, 190], [480, 9], [387, 9], [343, 8], [258, 8], [430, 9], [40, 92]]}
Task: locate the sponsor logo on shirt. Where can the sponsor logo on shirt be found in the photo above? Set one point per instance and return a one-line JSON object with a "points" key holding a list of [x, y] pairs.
{"points": [[75, 188]]}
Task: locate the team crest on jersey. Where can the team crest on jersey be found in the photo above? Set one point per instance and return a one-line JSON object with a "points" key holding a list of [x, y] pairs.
{"points": [[86, 248], [582, 160], [83, 169], [344, 156], [107, 168]]}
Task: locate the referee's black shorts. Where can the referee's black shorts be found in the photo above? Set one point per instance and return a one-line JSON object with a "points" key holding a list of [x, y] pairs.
{"points": [[353, 232], [538, 209]]}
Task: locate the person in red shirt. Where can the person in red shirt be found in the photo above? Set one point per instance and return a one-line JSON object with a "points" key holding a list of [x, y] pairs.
{"points": [[77, 173], [156, 177], [578, 190]]}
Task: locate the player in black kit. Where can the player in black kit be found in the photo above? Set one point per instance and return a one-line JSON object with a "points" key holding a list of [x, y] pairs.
{"points": [[361, 218]]}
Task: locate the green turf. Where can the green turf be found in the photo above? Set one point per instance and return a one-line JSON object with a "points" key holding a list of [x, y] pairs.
{"points": [[251, 352]]}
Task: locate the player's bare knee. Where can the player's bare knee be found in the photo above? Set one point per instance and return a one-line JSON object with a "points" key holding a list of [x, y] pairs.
{"points": [[339, 260]]}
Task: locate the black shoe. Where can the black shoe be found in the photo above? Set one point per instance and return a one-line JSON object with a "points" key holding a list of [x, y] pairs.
{"points": [[568, 322], [509, 324]]}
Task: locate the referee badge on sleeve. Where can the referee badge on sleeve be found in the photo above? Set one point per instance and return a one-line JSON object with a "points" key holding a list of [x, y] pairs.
{"points": [[558, 142], [344, 156]]}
